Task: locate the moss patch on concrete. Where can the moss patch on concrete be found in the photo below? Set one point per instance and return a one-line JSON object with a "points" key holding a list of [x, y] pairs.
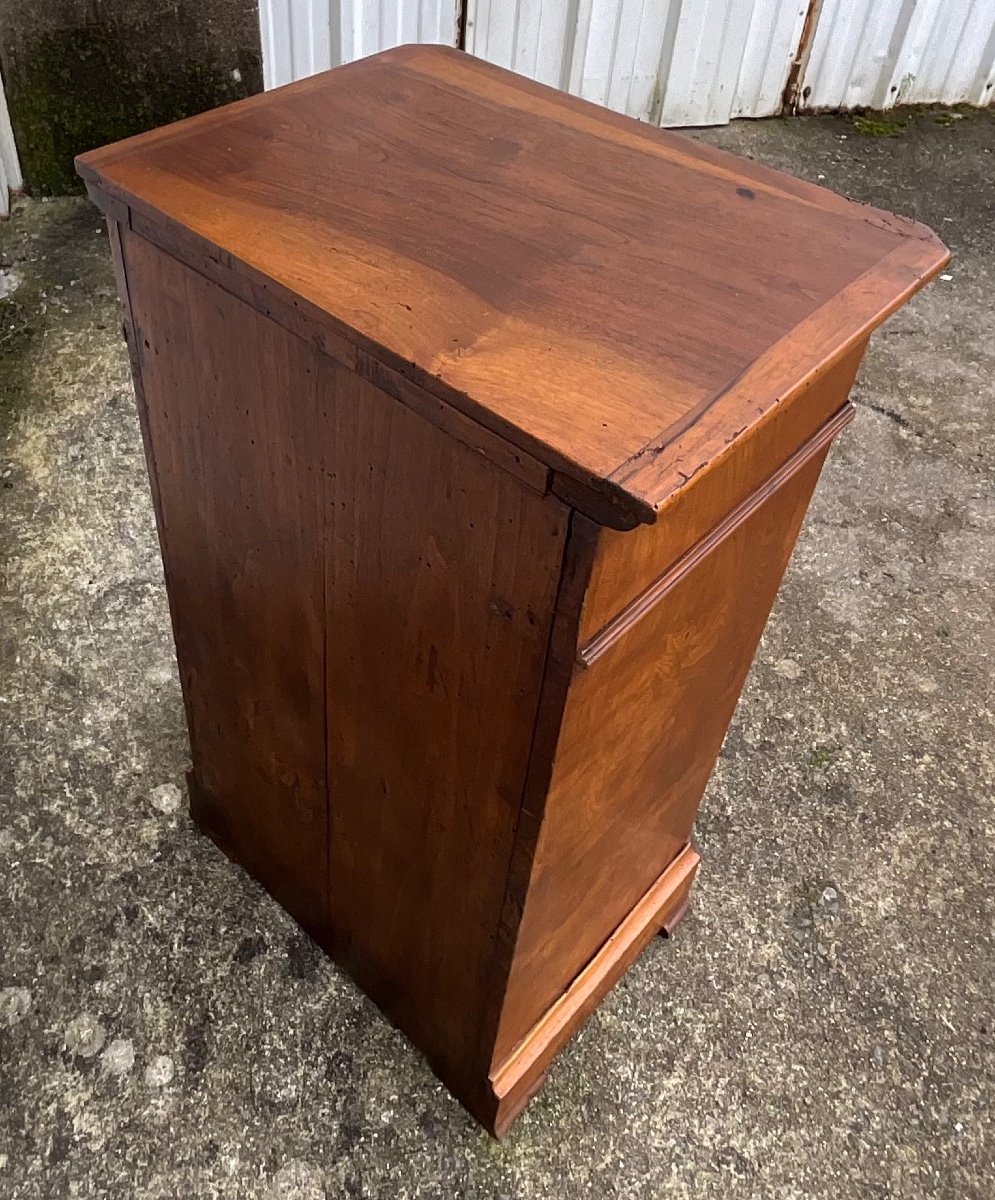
{"points": [[878, 126], [896, 121], [83, 84]]}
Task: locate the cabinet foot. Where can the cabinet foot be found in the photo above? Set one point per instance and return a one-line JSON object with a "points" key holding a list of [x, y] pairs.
{"points": [[509, 1107], [669, 926]]}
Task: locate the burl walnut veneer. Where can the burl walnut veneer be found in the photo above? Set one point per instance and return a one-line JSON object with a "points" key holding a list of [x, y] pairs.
{"points": [[480, 424]]}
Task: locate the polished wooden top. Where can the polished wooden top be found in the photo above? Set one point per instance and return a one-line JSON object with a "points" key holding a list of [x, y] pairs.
{"points": [[619, 301]]}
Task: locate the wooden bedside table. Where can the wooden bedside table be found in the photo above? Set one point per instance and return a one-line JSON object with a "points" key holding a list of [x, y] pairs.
{"points": [[480, 425]]}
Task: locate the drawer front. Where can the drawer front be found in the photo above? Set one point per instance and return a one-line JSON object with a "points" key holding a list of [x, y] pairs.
{"points": [[627, 562], [642, 727]]}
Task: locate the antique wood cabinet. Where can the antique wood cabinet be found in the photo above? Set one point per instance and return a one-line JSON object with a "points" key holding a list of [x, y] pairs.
{"points": [[480, 424]]}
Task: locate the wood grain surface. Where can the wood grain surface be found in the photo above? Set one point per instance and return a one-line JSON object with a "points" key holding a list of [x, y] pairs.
{"points": [[480, 232], [441, 573], [627, 562], [641, 729], [514, 1081], [362, 605], [239, 491]]}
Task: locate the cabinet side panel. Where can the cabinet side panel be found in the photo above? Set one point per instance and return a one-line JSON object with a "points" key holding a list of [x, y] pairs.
{"points": [[441, 576], [642, 728], [233, 416]]}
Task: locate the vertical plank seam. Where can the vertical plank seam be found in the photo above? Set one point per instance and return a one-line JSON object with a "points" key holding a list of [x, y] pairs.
{"points": [[323, 494]]}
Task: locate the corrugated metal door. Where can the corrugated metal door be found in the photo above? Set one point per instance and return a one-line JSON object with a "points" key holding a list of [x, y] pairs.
{"points": [[670, 62], [302, 37], [878, 53], [703, 62]]}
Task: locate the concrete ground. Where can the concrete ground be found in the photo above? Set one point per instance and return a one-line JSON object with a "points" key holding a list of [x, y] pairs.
{"points": [[822, 1026]]}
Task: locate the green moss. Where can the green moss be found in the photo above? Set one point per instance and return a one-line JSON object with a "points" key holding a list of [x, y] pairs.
{"points": [[947, 118], [878, 126], [72, 89], [895, 122], [946, 114]]}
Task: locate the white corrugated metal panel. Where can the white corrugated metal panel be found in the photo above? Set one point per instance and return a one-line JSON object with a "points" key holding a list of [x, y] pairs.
{"points": [[770, 48], [10, 168], [532, 37], [671, 62], [676, 62], [301, 37], [878, 53], [730, 58]]}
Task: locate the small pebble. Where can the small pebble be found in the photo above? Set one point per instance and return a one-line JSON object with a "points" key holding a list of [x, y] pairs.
{"points": [[10, 281], [166, 798], [14, 1005], [297, 1180], [119, 1057], [160, 1071], [788, 668], [85, 1036]]}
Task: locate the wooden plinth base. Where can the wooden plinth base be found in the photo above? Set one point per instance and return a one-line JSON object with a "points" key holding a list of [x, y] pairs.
{"points": [[498, 1099], [521, 1075]]}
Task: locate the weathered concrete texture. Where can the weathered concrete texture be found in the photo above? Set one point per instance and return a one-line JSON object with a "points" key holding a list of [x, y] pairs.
{"points": [[79, 74], [821, 1026]]}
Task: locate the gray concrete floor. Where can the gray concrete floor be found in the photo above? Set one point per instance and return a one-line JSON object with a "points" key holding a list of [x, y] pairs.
{"points": [[822, 1025]]}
